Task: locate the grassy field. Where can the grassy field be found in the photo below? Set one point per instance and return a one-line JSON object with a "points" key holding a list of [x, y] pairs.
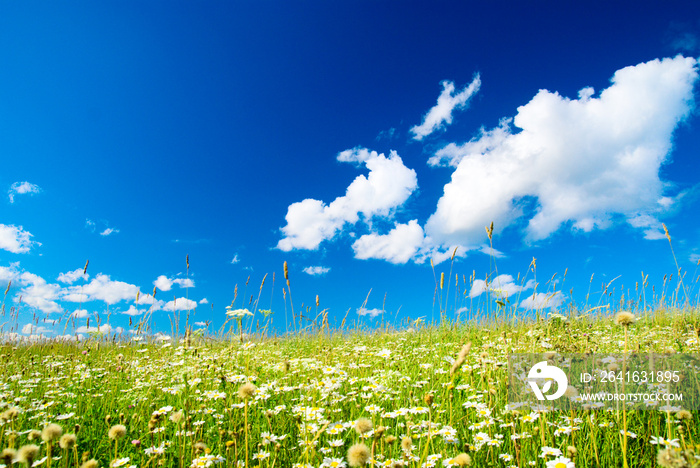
{"points": [[420, 396]]}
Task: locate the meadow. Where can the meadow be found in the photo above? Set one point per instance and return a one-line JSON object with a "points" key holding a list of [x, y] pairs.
{"points": [[413, 394]]}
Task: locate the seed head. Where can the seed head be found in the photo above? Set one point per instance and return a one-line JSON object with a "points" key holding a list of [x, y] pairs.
{"points": [[67, 441], [51, 432], [8, 455], [358, 455], [670, 459], [625, 318], [92, 463], [390, 439], [34, 434], [246, 391], [10, 414], [462, 460], [571, 450], [684, 414], [176, 417], [363, 425], [117, 431], [407, 444], [27, 454]]}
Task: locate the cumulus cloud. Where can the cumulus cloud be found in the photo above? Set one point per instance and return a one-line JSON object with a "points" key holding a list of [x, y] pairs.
{"points": [[71, 277], [31, 329], [39, 294], [503, 286], [316, 270], [204, 301], [165, 284], [80, 313], [387, 186], [106, 328], [447, 102], [543, 301], [398, 246], [579, 161], [101, 288], [15, 239], [21, 188], [180, 303], [133, 311]]}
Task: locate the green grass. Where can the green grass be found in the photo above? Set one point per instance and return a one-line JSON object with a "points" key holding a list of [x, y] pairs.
{"points": [[312, 388]]}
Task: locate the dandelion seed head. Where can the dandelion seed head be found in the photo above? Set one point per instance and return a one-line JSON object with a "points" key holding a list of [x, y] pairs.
{"points": [[625, 318], [363, 425], [67, 441], [27, 454], [51, 432], [358, 455], [117, 431], [246, 391]]}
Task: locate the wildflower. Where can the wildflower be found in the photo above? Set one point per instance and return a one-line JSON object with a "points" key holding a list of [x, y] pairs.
{"points": [[119, 462], [628, 433], [555, 452], [363, 425], [261, 455], [625, 318], [333, 463], [358, 455], [560, 462], [666, 442], [116, 432], [27, 454], [67, 441], [237, 313], [51, 432]]}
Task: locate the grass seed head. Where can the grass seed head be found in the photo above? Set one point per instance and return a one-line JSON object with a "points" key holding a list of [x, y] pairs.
{"points": [[363, 425], [358, 455], [51, 432], [117, 431]]}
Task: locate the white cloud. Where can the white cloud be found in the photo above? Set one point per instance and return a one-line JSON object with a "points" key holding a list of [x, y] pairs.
{"points": [[447, 102], [80, 313], [10, 273], [163, 283], [101, 288], [372, 313], [488, 250], [133, 311], [109, 231], [579, 161], [204, 301], [147, 299], [15, 239], [20, 188], [316, 270], [31, 329], [398, 246], [71, 277], [38, 294], [180, 303], [503, 286], [200, 324], [543, 301], [387, 186], [235, 259]]}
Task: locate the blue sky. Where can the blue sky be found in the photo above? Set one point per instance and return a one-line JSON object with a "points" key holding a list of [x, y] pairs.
{"points": [[355, 141]]}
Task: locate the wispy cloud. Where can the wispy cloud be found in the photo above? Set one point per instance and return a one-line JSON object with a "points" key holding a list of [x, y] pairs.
{"points": [[447, 102], [165, 284], [316, 270], [109, 232], [71, 277], [21, 188], [235, 259], [372, 313]]}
